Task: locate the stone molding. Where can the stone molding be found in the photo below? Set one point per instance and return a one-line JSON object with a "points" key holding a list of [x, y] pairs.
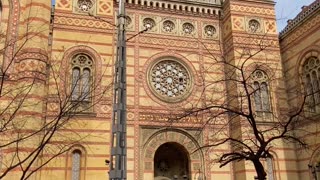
{"points": [[307, 11], [208, 7]]}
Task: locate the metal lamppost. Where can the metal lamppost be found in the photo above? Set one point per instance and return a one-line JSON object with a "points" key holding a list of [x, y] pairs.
{"points": [[314, 170], [118, 159]]}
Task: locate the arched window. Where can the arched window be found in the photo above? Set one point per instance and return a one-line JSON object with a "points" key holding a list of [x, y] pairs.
{"points": [[261, 93], [311, 75], [81, 78], [314, 164], [76, 165]]}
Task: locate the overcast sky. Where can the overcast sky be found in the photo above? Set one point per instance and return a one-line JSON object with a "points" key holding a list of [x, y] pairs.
{"points": [[288, 9]]}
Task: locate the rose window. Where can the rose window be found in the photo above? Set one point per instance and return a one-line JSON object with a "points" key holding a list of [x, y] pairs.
{"points": [[85, 5], [170, 80], [254, 25], [168, 26], [210, 30], [187, 28], [148, 23]]}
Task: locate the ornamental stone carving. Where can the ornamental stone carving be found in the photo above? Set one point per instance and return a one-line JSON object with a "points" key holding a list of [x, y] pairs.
{"points": [[259, 75], [199, 6], [168, 26], [254, 25], [82, 60], [130, 26], [187, 28], [210, 31], [83, 6], [148, 23], [170, 80], [128, 21]]}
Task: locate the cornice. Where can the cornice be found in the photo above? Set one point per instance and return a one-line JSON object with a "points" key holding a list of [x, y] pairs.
{"points": [[202, 2], [306, 13], [205, 7], [260, 1]]}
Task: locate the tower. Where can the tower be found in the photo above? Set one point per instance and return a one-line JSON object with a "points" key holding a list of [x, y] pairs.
{"points": [[24, 60], [250, 40]]}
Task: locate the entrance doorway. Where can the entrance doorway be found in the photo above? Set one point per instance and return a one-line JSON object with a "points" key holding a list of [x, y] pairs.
{"points": [[171, 161]]}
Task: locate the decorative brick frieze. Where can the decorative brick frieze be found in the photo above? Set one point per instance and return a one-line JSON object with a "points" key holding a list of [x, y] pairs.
{"points": [[306, 13], [82, 22], [35, 54], [207, 7]]}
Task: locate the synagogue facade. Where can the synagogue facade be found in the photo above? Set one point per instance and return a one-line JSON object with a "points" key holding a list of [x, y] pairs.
{"points": [[61, 56]]}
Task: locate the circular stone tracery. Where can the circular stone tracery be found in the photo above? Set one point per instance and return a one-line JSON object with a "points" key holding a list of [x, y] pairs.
{"points": [[170, 80], [254, 25], [128, 21], [168, 26], [311, 64], [188, 28], [210, 30], [148, 23], [85, 5]]}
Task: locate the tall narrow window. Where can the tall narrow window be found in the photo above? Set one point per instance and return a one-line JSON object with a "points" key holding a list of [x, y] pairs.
{"points": [[81, 78], [311, 74], [265, 105], [261, 95], [261, 91], [86, 84], [270, 169], [75, 88], [76, 165]]}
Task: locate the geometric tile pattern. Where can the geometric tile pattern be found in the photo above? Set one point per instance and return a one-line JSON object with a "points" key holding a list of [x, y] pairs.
{"points": [[64, 4], [252, 10], [81, 22], [104, 7]]}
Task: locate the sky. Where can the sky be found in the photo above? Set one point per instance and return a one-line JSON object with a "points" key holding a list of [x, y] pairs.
{"points": [[288, 9]]}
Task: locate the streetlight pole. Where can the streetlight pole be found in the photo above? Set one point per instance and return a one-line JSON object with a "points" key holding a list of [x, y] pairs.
{"points": [[118, 159]]}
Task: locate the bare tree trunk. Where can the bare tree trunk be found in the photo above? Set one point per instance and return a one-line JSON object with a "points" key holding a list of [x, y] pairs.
{"points": [[260, 170]]}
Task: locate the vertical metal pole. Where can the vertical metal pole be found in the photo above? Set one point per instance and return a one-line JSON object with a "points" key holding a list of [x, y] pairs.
{"points": [[118, 160]]}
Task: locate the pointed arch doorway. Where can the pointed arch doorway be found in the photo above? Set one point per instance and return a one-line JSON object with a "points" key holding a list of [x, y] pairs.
{"points": [[171, 161]]}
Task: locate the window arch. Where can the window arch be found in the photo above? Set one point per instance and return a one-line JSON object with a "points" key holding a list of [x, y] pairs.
{"points": [[311, 76], [81, 80], [261, 92], [314, 164], [76, 165]]}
